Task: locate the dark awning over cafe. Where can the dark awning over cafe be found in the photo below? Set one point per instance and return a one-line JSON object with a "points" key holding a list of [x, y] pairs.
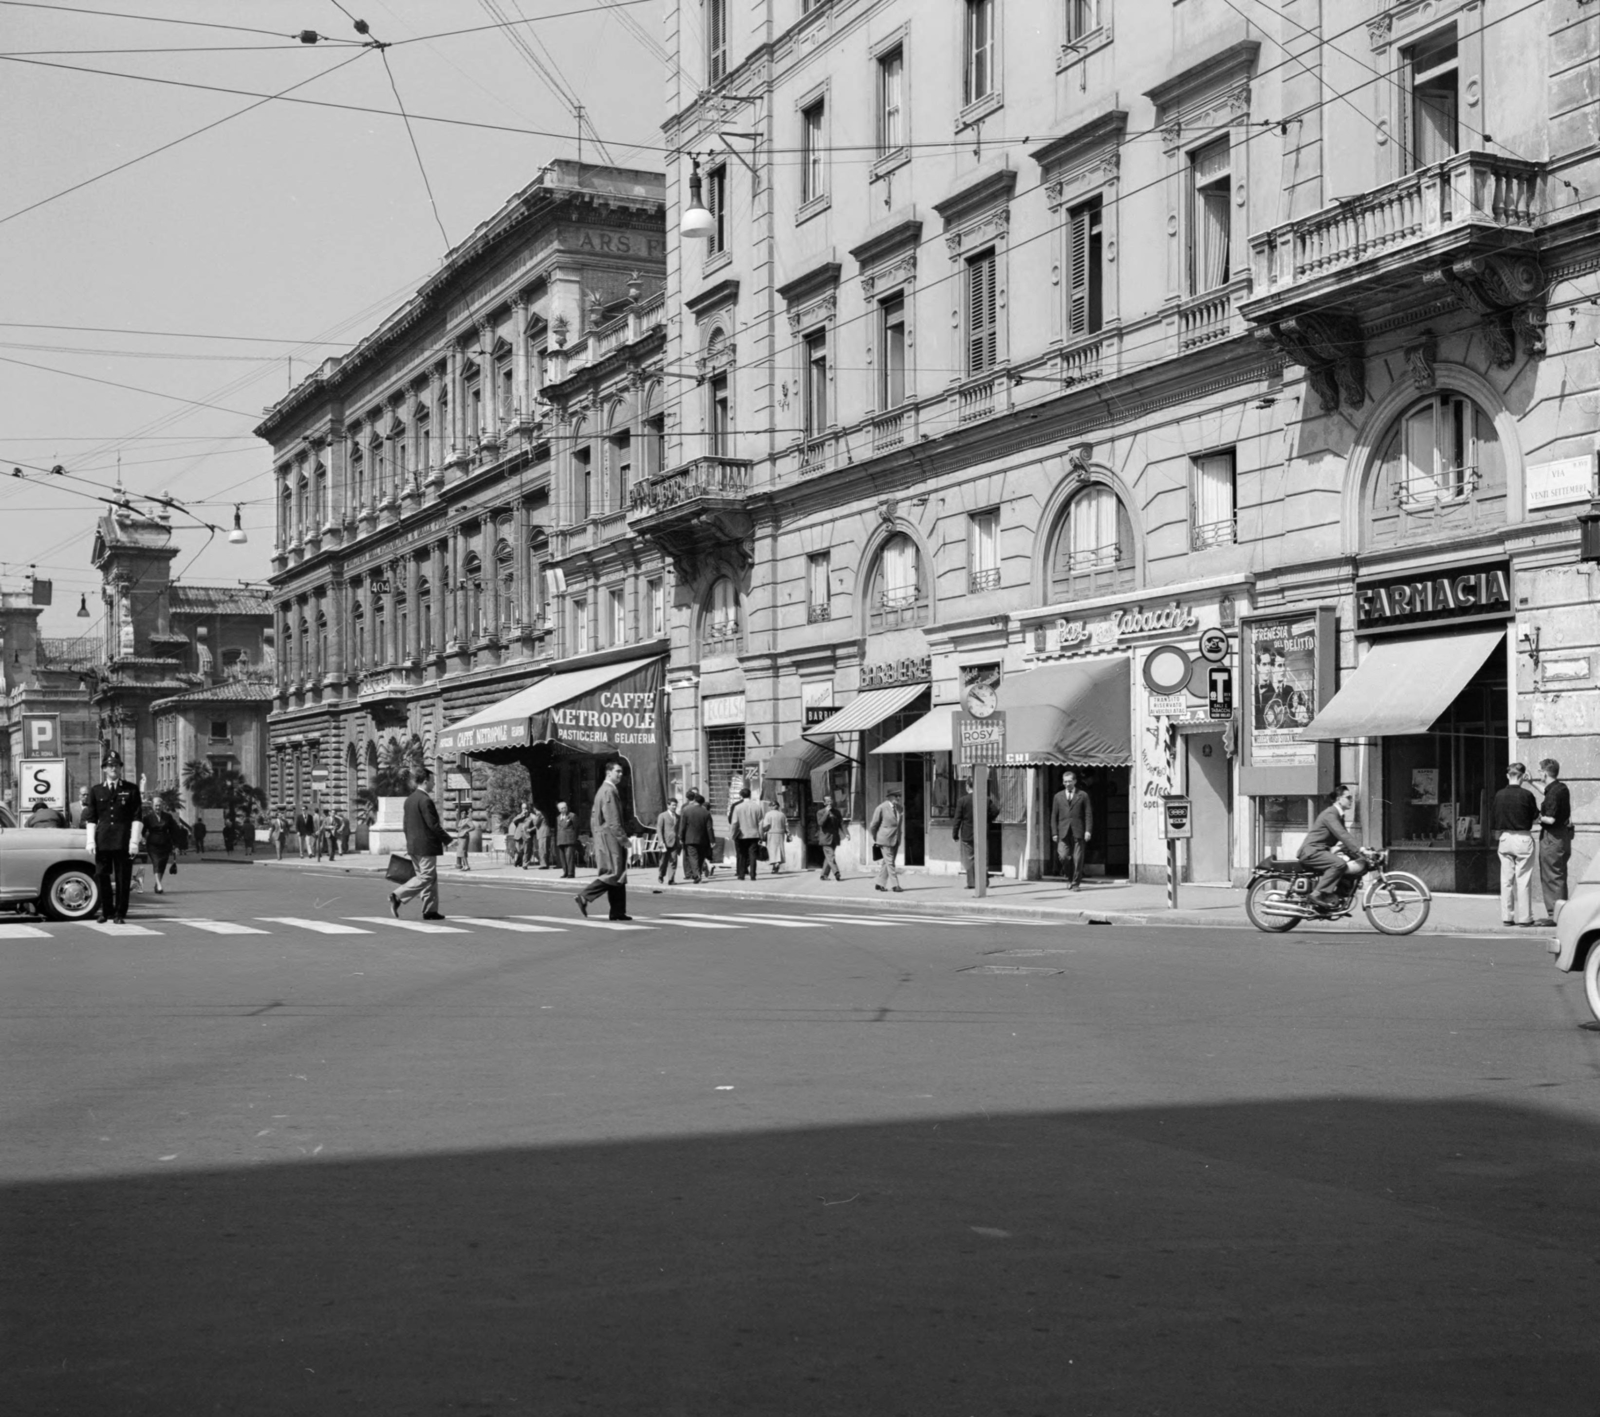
{"points": [[1069, 715]]}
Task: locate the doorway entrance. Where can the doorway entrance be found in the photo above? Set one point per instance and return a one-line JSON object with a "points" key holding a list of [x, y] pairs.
{"points": [[1211, 802]]}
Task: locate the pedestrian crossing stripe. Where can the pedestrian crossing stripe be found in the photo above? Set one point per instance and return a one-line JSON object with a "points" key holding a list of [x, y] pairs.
{"points": [[23, 932], [581, 920], [516, 925], [110, 928], [689, 922], [322, 927], [779, 922], [420, 927], [219, 927]]}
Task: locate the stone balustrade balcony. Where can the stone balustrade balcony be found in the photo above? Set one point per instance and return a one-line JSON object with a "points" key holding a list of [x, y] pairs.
{"points": [[691, 509]]}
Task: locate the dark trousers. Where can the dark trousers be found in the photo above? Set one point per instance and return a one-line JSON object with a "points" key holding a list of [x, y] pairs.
{"points": [[969, 863], [669, 863], [1555, 849], [830, 862], [569, 860], [113, 874], [745, 849], [1330, 863], [694, 862], [1072, 844]]}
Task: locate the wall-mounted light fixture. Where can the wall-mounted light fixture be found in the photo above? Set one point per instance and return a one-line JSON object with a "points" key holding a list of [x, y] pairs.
{"points": [[696, 221]]}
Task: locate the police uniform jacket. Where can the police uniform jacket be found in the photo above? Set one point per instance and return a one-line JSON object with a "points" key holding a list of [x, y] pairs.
{"points": [[113, 810]]}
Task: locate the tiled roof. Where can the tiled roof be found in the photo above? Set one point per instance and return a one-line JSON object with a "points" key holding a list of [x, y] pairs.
{"points": [[217, 600], [229, 691]]}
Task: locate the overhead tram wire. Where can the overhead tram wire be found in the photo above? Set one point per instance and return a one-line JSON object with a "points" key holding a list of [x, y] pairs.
{"points": [[415, 150], [167, 334], [152, 19], [547, 72]]}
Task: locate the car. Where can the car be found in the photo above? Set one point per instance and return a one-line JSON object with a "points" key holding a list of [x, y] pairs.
{"points": [[1578, 934], [46, 868]]}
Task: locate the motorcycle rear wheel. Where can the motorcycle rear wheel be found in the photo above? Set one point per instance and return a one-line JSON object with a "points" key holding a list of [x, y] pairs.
{"points": [[1262, 891], [1397, 903]]}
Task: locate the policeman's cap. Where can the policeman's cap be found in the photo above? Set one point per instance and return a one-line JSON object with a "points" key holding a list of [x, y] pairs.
{"points": [[111, 760]]}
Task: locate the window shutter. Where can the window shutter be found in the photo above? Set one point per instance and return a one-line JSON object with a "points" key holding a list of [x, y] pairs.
{"points": [[982, 342], [1078, 273]]}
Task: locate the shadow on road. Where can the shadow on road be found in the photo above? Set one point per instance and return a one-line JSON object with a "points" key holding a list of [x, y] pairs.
{"points": [[1326, 1257]]}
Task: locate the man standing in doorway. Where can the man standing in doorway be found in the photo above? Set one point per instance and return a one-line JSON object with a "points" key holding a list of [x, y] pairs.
{"points": [[1071, 824], [114, 815], [426, 838], [1513, 814], [888, 822], [610, 837], [1555, 845]]}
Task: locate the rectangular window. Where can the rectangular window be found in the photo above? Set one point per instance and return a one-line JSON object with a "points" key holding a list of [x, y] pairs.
{"points": [[980, 78], [1432, 73], [657, 590], [1084, 268], [1082, 19], [580, 627], [816, 384], [219, 730], [720, 418], [983, 550], [892, 343], [507, 387], [620, 472], [716, 40], [474, 420], [819, 587], [655, 445], [618, 617], [813, 154], [1212, 500], [983, 348], [583, 484], [717, 205], [1210, 220], [891, 102]]}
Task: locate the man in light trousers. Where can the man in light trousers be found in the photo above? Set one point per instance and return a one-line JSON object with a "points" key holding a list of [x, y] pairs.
{"points": [[425, 839], [885, 828], [1514, 812]]}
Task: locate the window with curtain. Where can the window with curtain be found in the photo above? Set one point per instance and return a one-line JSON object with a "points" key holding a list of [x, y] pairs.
{"points": [[719, 419], [892, 344], [983, 330], [720, 624], [891, 102], [1210, 219], [1094, 551], [580, 627], [1212, 500], [816, 384], [1082, 19], [1084, 267], [505, 574], [819, 587], [899, 594], [983, 550], [1432, 75], [656, 592], [1440, 471], [813, 153], [980, 45]]}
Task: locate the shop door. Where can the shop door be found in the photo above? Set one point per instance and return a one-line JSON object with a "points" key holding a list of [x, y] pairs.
{"points": [[916, 810], [1210, 798]]}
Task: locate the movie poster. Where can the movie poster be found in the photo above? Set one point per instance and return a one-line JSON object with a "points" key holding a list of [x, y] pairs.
{"points": [[1281, 670]]}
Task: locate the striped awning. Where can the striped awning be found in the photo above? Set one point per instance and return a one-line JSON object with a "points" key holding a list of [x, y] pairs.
{"points": [[867, 710], [934, 732]]}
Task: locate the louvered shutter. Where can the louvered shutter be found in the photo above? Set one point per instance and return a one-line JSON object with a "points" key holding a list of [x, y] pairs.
{"points": [[982, 343], [1078, 272]]}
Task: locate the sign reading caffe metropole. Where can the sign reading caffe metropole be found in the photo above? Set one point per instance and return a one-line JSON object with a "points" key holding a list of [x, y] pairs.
{"points": [[1459, 593]]}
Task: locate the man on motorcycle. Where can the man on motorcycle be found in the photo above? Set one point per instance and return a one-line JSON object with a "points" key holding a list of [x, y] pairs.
{"points": [[1317, 850]]}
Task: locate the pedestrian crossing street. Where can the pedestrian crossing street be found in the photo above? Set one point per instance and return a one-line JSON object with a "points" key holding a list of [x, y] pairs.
{"points": [[509, 925]]}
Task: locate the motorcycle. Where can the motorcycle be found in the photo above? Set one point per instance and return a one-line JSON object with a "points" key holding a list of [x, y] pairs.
{"points": [[1279, 896]]}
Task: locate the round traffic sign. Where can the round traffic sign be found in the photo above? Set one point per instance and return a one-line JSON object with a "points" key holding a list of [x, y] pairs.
{"points": [[1214, 645], [1167, 669]]}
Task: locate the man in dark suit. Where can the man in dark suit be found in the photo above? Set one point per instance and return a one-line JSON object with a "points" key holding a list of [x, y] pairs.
{"points": [[425, 839], [1327, 832], [1555, 844], [567, 840], [1071, 824], [965, 830], [694, 832], [115, 812], [610, 838]]}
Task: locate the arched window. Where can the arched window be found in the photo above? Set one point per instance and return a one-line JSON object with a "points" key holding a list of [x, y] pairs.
{"points": [[358, 484], [899, 586], [305, 666], [720, 623], [358, 637], [322, 665], [1093, 552], [402, 460], [505, 573], [425, 615], [472, 585], [402, 622], [1440, 472], [380, 629], [379, 469]]}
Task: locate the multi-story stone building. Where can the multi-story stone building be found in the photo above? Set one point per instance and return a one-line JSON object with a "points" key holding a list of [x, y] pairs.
{"points": [[1034, 342], [452, 526]]}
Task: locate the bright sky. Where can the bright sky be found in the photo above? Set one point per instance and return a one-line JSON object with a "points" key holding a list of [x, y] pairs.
{"points": [[278, 237]]}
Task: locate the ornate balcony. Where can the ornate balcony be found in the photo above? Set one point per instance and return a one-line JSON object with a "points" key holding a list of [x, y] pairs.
{"points": [[693, 508], [1457, 230]]}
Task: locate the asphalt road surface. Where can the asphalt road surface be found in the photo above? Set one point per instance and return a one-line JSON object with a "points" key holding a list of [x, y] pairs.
{"points": [[267, 1152]]}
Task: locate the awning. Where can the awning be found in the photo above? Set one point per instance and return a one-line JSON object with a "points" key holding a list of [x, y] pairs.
{"points": [[1068, 715], [507, 723], [797, 759], [867, 710], [929, 734], [1403, 686]]}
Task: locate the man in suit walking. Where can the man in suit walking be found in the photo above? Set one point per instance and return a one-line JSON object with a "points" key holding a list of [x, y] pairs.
{"points": [[888, 821], [610, 836], [744, 816], [965, 830], [830, 831], [694, 831], [1071, 824], [115, 815], [669, 834], [425, 839]]}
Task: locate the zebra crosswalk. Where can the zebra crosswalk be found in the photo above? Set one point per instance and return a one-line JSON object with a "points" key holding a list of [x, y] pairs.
{"points": [[471, 925]]}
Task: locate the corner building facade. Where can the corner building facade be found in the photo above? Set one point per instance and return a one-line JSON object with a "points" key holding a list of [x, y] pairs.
{"points": [[1021, 363], [452, 496]]}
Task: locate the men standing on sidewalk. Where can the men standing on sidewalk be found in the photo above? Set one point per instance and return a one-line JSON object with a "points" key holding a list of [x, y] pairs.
{"points": [[694, 831], [1513, 814], [966, 829], [745, 816], [1071, 824], [539, 835], [302, 829], [830, 828], [426, 838], [667, 831], [610, 837], [1555, 845], [888, 821], [567, 840]]}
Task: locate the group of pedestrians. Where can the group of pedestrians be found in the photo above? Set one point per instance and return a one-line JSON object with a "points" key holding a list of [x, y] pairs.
{"points": [[1532, 829], [312, 831]]}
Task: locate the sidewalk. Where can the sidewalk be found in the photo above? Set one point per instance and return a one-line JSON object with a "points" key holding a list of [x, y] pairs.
{"points": [[1098, 903]]}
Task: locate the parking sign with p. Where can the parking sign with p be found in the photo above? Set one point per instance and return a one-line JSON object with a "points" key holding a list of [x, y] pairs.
{"points": [[41, 735]]}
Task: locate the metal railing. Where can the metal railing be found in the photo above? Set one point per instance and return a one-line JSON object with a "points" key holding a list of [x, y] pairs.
{"points": [[984, 580], [704, 477], [1223, 532]]}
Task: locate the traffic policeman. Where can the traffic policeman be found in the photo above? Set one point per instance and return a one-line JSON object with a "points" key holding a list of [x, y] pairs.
{"points": [[113, 817]]}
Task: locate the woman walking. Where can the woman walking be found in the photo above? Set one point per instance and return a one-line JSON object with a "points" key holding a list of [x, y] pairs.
{"points": [[162, 834], [776, 827]]}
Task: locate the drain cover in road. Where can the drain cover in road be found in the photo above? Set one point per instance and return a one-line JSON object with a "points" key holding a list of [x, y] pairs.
{"points": [[1010, 969]]}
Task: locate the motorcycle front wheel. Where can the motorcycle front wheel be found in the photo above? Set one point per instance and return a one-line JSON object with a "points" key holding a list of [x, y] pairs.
{"points": [[1269, 888], [1396, 903]]}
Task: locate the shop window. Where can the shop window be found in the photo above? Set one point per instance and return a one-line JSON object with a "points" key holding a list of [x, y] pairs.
{"points": [[1210, 218], [1431, 74], [1094, 551], [819, 588], [983, 550], [899, 594], [1212, 500], [724, 761], [1440, 473], [719, 626]]}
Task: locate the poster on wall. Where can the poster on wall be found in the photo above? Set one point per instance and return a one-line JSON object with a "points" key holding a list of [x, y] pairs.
{"points": [[1281, 690]]}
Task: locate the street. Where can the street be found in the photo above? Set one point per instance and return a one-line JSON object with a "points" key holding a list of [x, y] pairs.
{"points": [[270, 1151]]}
